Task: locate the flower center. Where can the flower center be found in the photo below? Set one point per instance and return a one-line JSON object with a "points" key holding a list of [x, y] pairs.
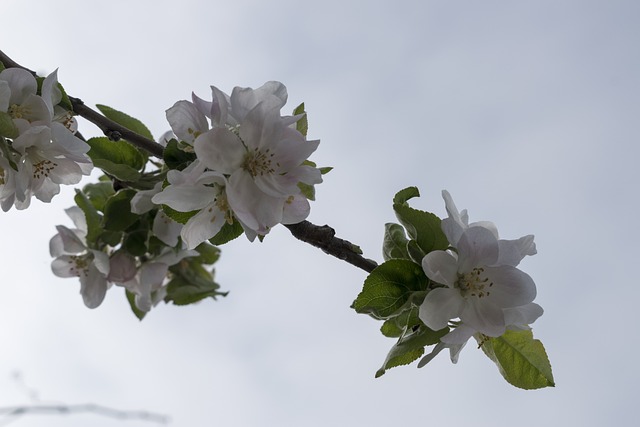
{"points": [[223, 204], [17, 111], [43, 168], [474, 283], [80, 264], [257, 162]]}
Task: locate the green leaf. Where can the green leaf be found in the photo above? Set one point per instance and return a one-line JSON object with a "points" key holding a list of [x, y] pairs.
{"points": [[302, 125], [521, 360], [177, 216], [120, 159], [395, 242], [227, 233], [209, 254], [7, 126], [175, 158], [191, 283], [6, 153], [423, 227], [307, 190], [389, 287], [117, 211], [406, 194], [410, 347], [65, 102], [1, 66], [136, 242], [415, 251], [125, 120], [131, 297], [93, 217], [98, 193], [405, 321], [325, 170]]}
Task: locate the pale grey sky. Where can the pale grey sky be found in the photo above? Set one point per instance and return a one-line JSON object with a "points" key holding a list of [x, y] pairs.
{"points": [[525, 111]]}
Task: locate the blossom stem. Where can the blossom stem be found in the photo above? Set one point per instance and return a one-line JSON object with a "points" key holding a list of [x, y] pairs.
{"points": [[111, 129]]}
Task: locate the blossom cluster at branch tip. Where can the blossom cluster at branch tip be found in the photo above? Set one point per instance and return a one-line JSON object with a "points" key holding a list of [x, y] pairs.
{"points": [[251, 163], [480, 288], [43, 151]]}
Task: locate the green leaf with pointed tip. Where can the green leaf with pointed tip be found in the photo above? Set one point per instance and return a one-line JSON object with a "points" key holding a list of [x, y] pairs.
{"points": [[191, 283], [325, 170], [423, 227], [209, 254], [302, 125], [227, 233], [98, 193], [307, 190], [410, 347], [395, 242], [119, 159], [132, 303], [521, 360], [405, 194], [117, 211], [7, 126], [125, 120], [389, 287], [93, 217]]}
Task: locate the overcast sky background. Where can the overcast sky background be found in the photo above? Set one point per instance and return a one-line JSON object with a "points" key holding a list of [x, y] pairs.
{"points": [[527, 112]]}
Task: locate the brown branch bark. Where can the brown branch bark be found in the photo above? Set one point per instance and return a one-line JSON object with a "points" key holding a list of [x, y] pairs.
{"points": [[324, 237]]}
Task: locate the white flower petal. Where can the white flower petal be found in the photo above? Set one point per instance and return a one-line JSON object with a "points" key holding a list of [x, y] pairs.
{"points": [[439, 306], [441, 267], [202, 226], [523, 315], [511, 286], [477, 247], [220, 150], [186, 121]]}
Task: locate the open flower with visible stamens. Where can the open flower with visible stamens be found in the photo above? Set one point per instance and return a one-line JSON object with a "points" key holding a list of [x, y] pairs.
{"points": [[476, 289], [482, 290], [74, 259], [264, 158], [196, 189]]}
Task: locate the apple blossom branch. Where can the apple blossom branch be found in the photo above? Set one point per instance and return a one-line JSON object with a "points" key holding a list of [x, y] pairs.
{"points": [[322, 237]]}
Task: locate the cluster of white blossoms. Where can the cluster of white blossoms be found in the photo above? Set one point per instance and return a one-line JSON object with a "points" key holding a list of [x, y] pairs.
{"points": [[249, 167], [41, 151], [98, 270], [483, 292]]}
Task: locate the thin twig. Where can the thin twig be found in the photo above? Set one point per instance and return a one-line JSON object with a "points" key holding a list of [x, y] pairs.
{"points": [[18, 411]]}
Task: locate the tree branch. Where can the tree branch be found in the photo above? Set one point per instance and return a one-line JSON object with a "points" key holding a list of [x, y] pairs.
{"points": [[18, 411], [324, 237], [111, 129]]}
